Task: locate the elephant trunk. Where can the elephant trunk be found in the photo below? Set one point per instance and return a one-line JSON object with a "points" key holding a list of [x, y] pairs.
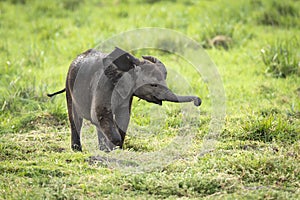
{"points": [[170, 96]]}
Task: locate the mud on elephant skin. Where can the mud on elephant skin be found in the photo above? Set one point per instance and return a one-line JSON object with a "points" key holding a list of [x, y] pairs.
{"points": [[100, 88]]}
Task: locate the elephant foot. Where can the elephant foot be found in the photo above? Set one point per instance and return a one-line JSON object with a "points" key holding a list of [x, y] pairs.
{"points": [[76, 147]]}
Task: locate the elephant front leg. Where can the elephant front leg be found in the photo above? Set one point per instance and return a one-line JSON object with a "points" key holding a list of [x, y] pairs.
{"points": [[108, 139], [121, 120], [108, 133], [103, 141]]}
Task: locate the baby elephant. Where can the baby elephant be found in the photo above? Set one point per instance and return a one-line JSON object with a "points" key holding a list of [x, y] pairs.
{"points": [[100, 88]]}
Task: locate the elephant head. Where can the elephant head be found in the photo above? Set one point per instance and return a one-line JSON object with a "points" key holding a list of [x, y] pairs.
{"points": [[151, 83], [145, 79]]}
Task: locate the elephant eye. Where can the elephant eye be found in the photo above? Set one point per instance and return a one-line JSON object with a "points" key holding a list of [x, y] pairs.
{"points": [[153, 85]]}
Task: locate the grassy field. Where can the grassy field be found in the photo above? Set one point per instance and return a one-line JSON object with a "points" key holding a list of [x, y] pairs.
{"points": [[258, 151]]}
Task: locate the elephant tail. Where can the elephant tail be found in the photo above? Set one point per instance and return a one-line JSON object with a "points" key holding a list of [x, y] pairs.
{"points": [[55, 93]]}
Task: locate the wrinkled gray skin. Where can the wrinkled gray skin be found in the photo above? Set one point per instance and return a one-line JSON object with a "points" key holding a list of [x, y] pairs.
{"points": [[100, 88]]}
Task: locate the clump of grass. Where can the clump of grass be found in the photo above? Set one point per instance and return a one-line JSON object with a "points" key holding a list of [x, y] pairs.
{"points": [[285, 8], [279, 13], [281, 58], [19, 97], [21, 105], [154, 1], [51, 9], [18, 1], [270, 128], [172, 185], [71, 4]]}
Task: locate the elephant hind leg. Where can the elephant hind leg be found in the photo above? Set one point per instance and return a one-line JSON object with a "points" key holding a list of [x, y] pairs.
{"points": [[75, 122], [75, 136]]}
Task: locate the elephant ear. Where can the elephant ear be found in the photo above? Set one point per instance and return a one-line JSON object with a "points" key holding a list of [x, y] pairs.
{"points": [[118, 62], [160, 65], [124, 86]]}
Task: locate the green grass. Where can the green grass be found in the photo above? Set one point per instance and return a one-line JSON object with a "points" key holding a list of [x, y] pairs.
{"points": [[282, 57], [283, 14], [258, 151]]}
